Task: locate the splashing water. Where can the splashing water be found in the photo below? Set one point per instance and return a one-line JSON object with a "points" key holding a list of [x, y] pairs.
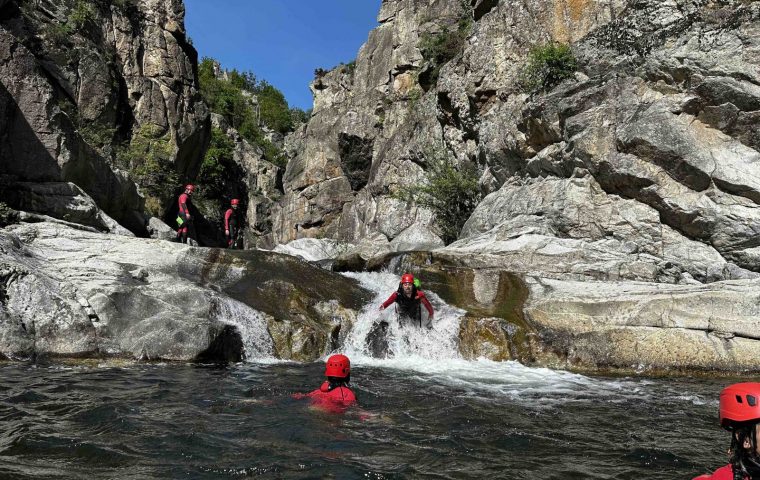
{"points": [[251, 324], [433, 355], [406, 342]]}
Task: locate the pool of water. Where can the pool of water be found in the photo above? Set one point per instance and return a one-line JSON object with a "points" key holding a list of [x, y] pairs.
{"points": [[416, 418]]}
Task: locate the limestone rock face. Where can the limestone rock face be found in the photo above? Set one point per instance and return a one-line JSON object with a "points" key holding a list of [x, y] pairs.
{"points": [[80, 79], [72, 292]]}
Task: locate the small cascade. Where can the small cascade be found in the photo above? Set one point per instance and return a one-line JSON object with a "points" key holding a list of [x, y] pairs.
{"points": [[405, 342], [251, 324]]}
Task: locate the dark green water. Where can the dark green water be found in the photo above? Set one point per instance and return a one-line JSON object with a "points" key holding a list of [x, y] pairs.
{"points": [[459, 420]]}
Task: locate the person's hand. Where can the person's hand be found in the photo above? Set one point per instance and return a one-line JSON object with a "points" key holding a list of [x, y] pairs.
{"points": [[227, 232], [381, 308], [187, 215]]}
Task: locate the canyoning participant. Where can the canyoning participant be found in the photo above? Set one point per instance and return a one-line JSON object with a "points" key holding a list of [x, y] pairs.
{"points": [[410, 301], [231, 223], [740, 415], [184, 219], [334, 395]]}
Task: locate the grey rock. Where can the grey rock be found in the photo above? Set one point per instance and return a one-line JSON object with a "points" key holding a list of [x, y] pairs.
{"points": [[71, 292], [64, 99]]}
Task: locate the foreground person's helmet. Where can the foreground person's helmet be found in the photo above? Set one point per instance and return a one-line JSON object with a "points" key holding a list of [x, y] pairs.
{"points": [[739, 403], [190, 187], [234, 201], [338, 366], [407, 278]]}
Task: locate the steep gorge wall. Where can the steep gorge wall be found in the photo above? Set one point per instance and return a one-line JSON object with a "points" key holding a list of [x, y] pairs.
{"points": [[660, 113], [80, 79]]}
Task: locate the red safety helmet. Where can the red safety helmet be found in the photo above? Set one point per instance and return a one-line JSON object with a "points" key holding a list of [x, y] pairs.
{"points": [[338, 366], [234, 201], [190, 187], [739, 403], [407, 278]]}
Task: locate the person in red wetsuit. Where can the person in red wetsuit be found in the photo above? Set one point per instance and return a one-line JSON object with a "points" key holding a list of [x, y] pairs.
{"points": [[231, 223], [740, 415], [334, 395], [410, 301], [184, 219]]}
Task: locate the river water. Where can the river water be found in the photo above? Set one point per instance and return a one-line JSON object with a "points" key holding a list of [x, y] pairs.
{"points": [[425, 413]]}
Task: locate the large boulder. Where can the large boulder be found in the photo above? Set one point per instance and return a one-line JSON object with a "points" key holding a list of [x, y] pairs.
{"points": [[72, 292]]}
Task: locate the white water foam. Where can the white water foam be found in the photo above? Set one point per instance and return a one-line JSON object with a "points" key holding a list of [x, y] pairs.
{"points": [[406, 342], [251, 324], [433, 355]]}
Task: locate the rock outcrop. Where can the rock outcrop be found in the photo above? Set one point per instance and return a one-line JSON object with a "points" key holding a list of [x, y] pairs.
{"points": [[73, 292], [79, 81]]}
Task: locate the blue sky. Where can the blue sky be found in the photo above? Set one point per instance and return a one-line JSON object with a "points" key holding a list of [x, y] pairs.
{"points": [[282, 41]]}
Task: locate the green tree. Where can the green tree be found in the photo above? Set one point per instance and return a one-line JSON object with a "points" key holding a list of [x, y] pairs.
{"points": [[273, 108], [228, 98]]}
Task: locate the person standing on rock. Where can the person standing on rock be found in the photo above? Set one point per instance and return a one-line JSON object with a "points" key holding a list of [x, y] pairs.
{"points": [[184, 219], [335, 395], [231, 223], [410, 301], [739, 413]]}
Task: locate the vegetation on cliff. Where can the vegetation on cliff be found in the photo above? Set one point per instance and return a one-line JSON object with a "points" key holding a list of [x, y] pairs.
{"points": [[451, 193], [547, 65], [439, 48], [232, 96]]}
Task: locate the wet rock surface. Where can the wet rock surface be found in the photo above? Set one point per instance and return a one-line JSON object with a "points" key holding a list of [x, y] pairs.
{"points": [[68, 292]]}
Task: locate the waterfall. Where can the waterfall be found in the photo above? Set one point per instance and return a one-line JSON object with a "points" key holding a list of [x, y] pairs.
{"points": [[408, 344], [251, 324]]}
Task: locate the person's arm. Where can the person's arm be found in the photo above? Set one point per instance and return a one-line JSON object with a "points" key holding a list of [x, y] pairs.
{"points": [[227, 216], [427, 304], [390, 300]]}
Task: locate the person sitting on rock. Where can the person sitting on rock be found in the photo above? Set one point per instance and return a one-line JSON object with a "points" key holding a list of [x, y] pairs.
{"points": [[184, 219], [410, 301], [231, 223], [335, 395], [740, 414]]}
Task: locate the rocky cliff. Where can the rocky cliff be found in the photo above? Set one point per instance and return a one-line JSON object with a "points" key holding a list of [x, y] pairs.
{"points": [[640, 169], [85, 87]]}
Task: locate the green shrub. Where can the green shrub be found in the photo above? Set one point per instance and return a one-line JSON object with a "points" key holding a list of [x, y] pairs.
{"points": [[82, 14], [58, 34], [299, 116], [149, 157], [451, 193], [547, 65], [217, 165], [439, 48]]}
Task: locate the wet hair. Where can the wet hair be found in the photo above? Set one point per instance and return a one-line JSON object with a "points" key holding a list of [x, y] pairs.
{"points": [[335, 382], [745, 462], [401, 290]]}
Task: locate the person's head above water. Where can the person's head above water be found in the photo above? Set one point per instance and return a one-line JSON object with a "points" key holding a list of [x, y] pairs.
{"points": [[740, 414], [407, 284], [338, 368]]}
